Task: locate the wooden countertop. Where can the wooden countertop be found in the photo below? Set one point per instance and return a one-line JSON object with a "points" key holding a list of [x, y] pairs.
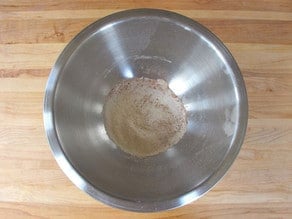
{"points": [[258, 33]]}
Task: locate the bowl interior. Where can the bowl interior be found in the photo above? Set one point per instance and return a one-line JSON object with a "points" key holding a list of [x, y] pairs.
{"points": [[152, 44]]}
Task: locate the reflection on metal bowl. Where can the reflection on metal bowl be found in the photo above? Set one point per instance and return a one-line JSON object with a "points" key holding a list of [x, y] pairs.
{"points": [[154, 44]]}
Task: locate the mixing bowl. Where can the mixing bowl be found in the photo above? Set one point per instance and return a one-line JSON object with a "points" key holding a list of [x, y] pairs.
{"points": [[154, 44]]}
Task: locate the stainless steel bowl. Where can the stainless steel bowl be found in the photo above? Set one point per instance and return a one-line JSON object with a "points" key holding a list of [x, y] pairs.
{"points": [[154, 44]]}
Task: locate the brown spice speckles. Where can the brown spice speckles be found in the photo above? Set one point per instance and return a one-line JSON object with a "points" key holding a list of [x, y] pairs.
{"points": [[143, 116]]}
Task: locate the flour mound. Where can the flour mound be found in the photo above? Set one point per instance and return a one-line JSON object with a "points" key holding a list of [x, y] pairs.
{"points": [[143, 116]]}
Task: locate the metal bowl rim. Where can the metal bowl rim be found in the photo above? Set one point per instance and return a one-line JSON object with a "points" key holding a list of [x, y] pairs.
{"points": [[77, 178]]}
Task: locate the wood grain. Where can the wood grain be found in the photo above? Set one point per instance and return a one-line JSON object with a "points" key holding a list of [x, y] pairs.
{"points": [[99, 13], [259, 35], [265, 5], [63, 30]]}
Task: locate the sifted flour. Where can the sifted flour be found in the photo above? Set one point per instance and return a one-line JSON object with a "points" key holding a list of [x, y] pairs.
{"points": [[143, 116]]}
